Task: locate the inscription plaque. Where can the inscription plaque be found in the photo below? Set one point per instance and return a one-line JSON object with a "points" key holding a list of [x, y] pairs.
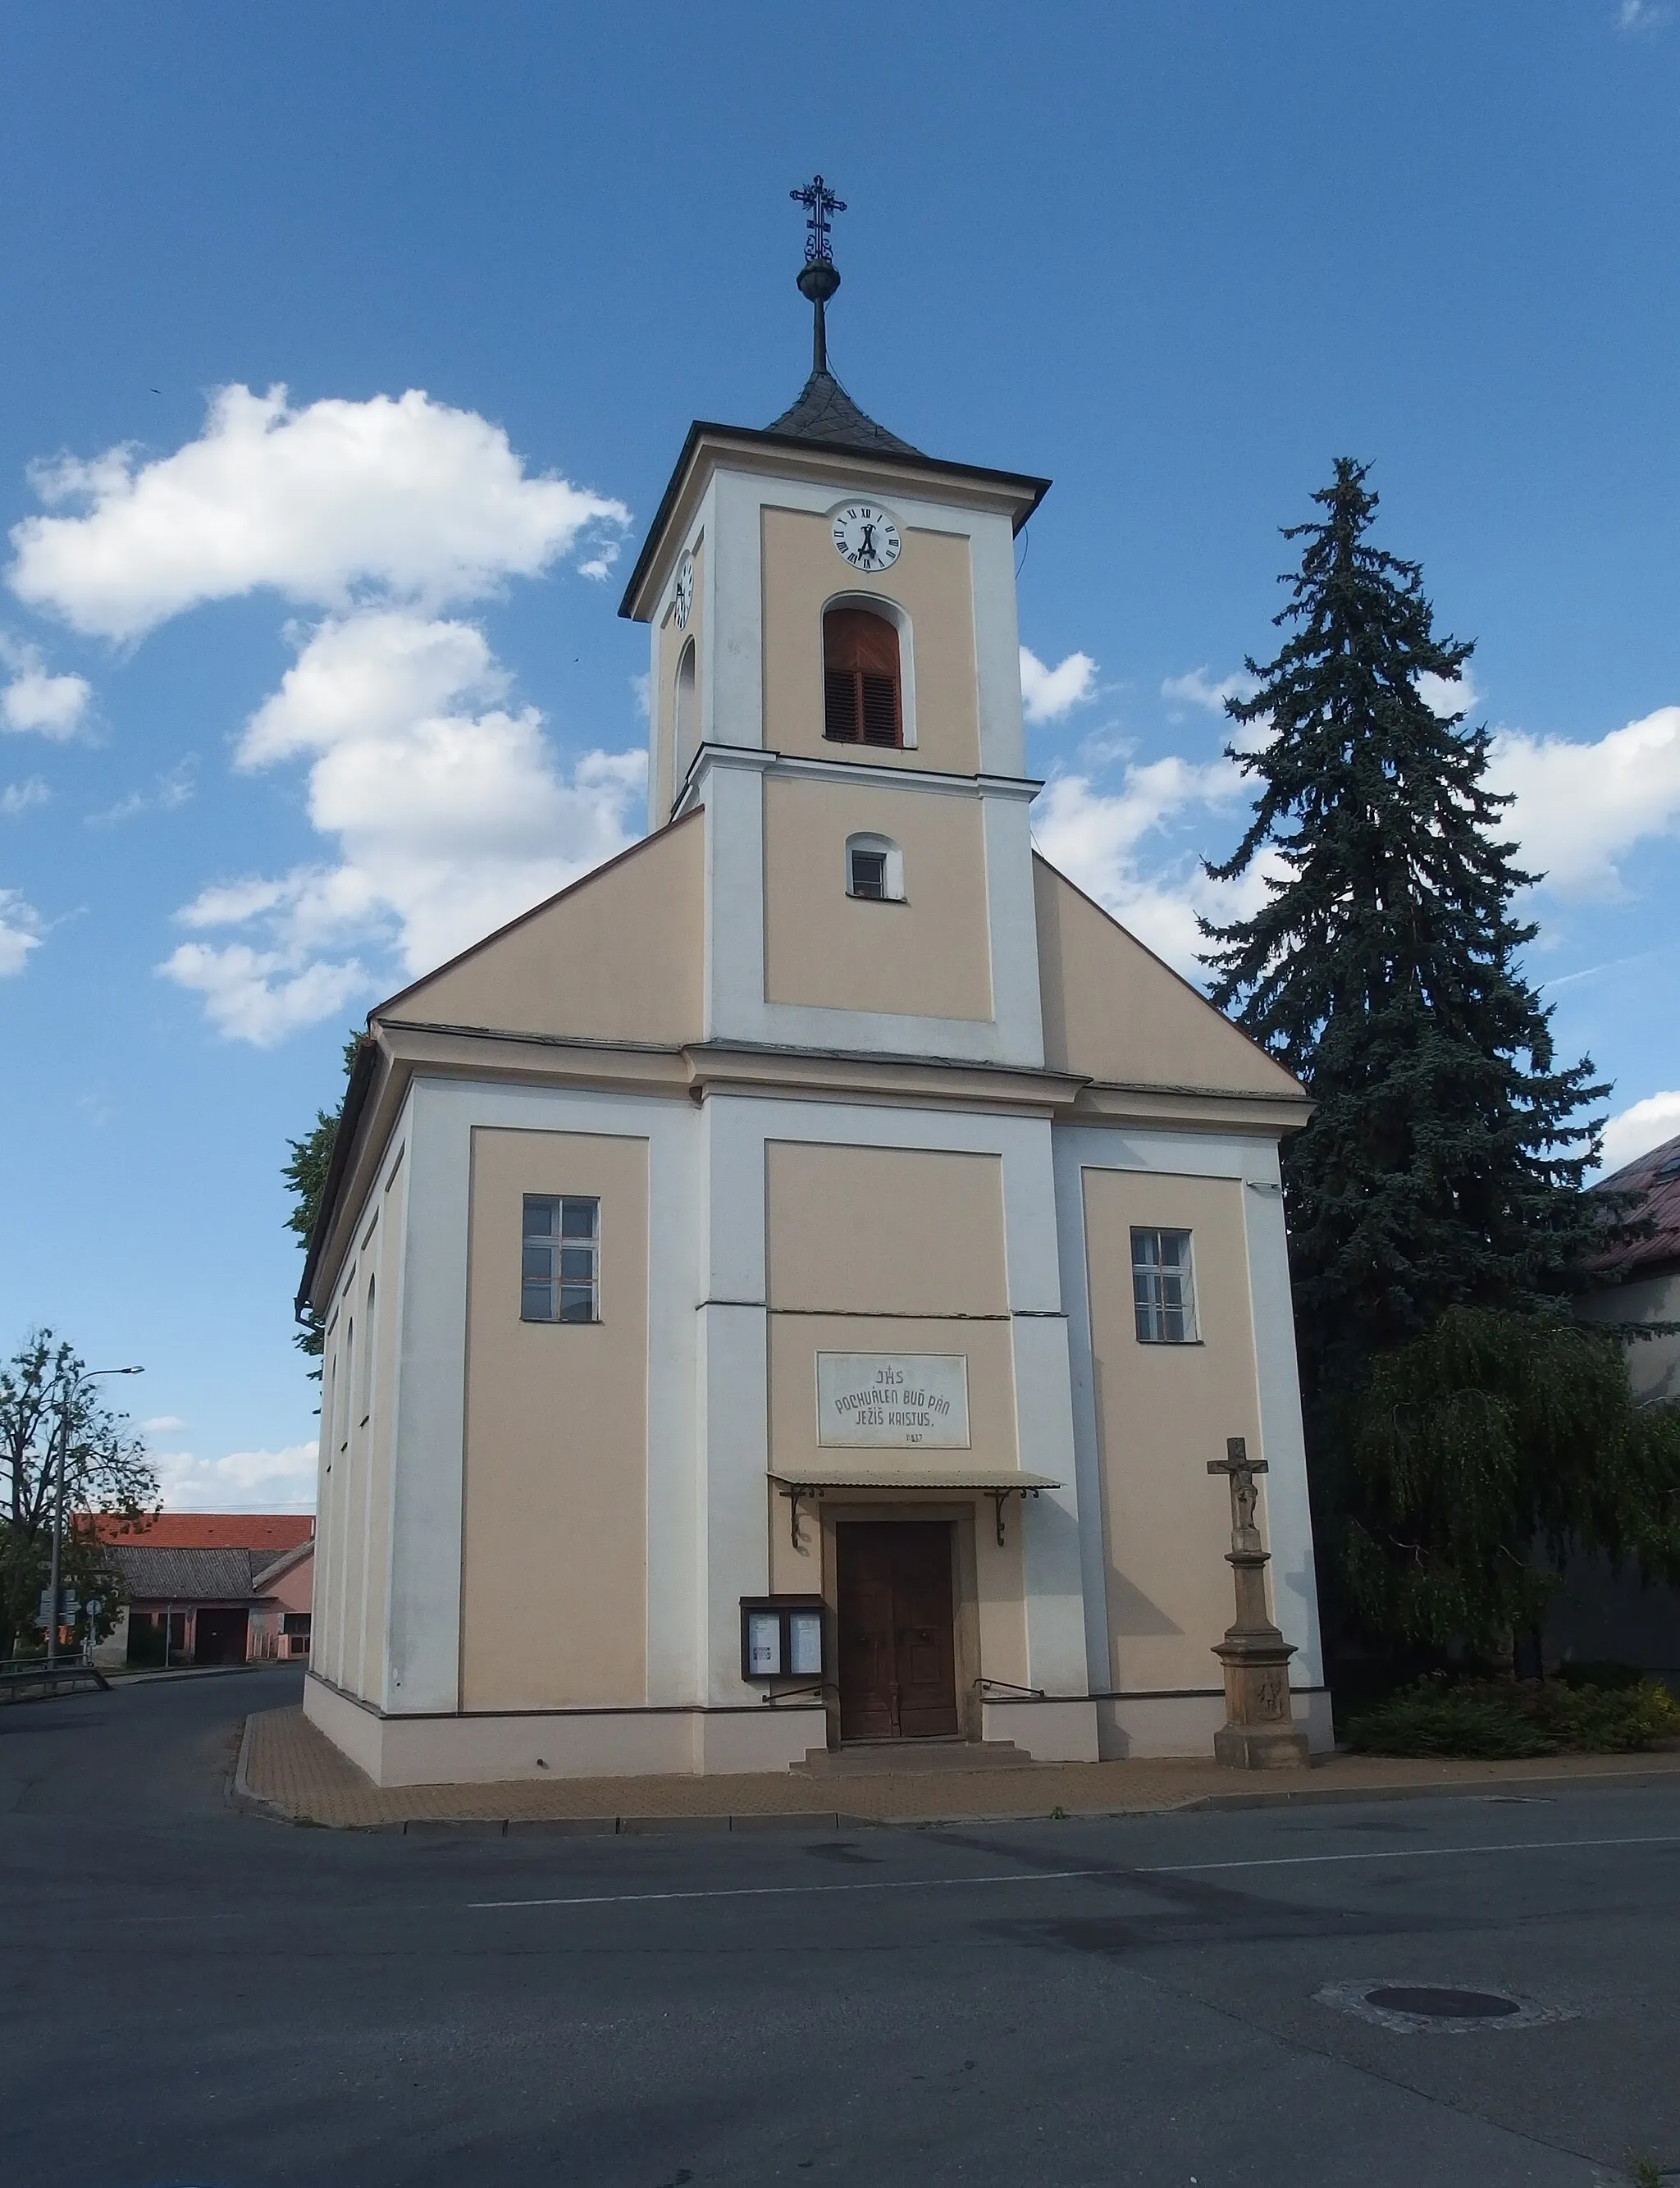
{"points": [[893, 1401]]}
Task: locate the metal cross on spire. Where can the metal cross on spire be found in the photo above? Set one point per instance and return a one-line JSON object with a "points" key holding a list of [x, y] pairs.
{"points": [[818, 277], [818, 201]]}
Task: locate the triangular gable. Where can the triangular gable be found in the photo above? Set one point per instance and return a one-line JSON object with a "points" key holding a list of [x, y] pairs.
{"points": [[616, 956], [1113, 1011]]}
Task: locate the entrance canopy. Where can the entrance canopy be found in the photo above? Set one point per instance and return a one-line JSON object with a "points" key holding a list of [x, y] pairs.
{"points": [[860, 1475], [1000, 1483]]}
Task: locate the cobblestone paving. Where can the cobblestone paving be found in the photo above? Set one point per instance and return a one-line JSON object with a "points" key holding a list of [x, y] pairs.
{"points": [[292, 1767]]}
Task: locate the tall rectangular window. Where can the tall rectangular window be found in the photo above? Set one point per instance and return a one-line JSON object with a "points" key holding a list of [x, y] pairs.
{"points": [[559, 1264], [1163, 1287]]}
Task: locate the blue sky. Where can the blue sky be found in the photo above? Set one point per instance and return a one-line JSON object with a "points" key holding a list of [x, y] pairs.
{"points": [[299, 689]]}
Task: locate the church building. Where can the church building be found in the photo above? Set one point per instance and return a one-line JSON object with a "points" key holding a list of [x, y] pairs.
{"points": [[785, 1290]]}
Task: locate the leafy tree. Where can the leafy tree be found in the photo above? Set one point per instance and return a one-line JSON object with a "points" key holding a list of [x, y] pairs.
{"points": [[305, 1177], [1478, 1456], [47, 1402], [1442, 1173]]}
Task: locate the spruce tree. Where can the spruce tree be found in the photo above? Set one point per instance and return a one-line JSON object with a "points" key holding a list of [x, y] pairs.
{"points": [[1443, 1164]]}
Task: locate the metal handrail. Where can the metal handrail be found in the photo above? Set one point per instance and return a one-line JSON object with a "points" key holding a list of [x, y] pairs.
{"points": [[20, 1671]]}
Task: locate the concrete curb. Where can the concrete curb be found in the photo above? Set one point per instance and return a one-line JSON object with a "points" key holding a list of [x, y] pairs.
{"points": [[238, 1788], [816, 1819], [286, 1771], [188, 1672], [1501, 1789]]}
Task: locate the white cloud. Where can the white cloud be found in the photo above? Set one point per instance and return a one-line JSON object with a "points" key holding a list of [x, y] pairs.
{"points": [[404, 496], [1048, 693], [1642, 16], [33, 699], [261, 996], [1581, 807], [281, 1480], [1446, 696], [1100, 837], [1636, 1131], [19, 931], [1195, 688], [445, 807], [22, 797], [164, 1424], [448, 811]]}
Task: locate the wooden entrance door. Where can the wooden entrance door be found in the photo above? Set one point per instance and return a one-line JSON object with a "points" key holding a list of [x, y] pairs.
{"points": [[898, 1677]]}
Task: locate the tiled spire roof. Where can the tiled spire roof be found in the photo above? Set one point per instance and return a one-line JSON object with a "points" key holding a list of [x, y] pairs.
{"points": [[825, 412]]}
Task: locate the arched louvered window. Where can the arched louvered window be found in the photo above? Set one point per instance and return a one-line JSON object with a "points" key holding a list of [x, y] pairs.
{"points": [[687, 703], [862, 696]]}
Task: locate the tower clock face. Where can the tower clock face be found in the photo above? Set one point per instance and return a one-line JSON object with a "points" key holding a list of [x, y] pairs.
{"points": [[865, 536], [685, 589]]}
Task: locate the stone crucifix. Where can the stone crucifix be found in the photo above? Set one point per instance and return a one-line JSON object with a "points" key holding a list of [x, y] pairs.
{"points": [[1259, 1731]]}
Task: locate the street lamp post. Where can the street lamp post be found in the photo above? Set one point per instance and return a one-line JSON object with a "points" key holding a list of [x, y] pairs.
{"points": [[87, 1375]]}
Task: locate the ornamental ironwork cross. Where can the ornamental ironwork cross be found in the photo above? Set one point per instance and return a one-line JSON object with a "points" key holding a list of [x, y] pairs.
{"points": [[818, 201]]}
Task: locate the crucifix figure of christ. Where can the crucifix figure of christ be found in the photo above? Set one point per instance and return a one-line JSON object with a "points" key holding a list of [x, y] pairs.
{"points": [[1259, 1731], [818, 201], [1244, 1496]]}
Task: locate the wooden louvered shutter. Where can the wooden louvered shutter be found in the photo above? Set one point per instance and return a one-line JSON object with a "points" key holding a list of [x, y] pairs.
{"points": [[861, 698]]}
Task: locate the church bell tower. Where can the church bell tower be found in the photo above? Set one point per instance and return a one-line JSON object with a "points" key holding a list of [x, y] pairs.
{"points": [[835, 678]]}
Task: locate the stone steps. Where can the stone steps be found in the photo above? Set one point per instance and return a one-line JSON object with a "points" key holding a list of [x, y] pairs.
{"points": [[876, 1758]]}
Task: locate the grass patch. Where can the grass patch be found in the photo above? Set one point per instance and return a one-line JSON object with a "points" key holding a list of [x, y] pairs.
{"points": [[1500, 1720]]}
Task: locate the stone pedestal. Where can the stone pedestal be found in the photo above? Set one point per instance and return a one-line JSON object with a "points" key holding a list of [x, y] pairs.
{"points": [[1259, 1731]]}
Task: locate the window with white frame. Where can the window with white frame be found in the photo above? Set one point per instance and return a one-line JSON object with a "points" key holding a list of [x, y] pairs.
{"points": [[1163, 1287], [875, 868], [559, 1259]]}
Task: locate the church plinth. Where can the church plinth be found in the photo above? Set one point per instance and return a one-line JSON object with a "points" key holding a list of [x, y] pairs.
{"points": [[1259, 1731]]}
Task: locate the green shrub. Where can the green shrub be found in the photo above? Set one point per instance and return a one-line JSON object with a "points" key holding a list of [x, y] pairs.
{"points": [[1492, 1720], [1607, 1720]]}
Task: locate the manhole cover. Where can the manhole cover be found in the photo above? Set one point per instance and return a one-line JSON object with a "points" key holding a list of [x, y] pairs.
{"points": [[1438, 2009], [1443, 2004]]}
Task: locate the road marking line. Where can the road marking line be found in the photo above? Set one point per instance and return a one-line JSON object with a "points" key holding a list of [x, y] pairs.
{"points": [[1062, 1875], [1406, 1853]]}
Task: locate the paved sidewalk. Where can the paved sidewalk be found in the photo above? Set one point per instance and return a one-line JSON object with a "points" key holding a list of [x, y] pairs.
{"points": [[291, 1769]]}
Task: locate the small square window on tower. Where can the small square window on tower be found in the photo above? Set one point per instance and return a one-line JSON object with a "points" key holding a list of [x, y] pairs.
{"points": [[560, 1260], [1163, 1287], [875, 868]]}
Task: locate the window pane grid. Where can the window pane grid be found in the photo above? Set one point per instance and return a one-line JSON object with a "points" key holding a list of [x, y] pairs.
{"points": [[560, 1260], [1162, 1288]]}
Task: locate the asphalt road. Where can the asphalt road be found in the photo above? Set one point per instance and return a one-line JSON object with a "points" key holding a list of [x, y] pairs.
{"points": [[193, 1997]]}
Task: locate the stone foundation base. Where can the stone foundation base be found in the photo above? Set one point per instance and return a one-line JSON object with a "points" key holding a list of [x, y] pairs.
{"points": [[551, 1744], [1152, 1727], [1260, 1747]]}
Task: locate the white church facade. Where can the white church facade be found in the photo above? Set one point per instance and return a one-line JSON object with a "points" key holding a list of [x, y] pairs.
{"points": [[785, 1290]]}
